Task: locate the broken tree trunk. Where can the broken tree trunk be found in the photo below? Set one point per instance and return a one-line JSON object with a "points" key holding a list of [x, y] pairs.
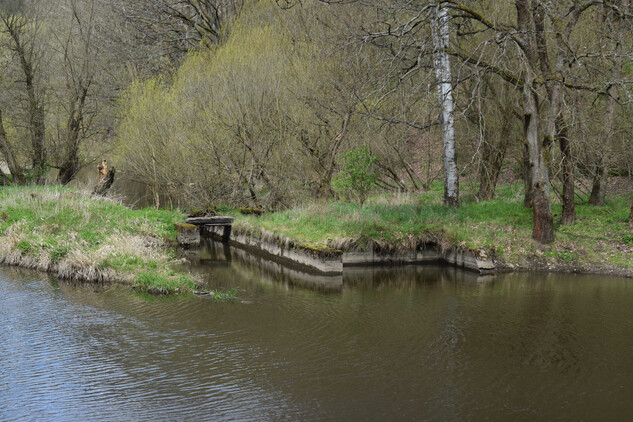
{"points": [[104, 186]]}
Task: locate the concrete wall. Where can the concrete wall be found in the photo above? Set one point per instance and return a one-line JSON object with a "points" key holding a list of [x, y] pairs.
{"points": [[429, 254]]}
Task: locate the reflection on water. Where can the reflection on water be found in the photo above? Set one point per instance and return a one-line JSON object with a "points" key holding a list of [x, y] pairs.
{"points": [[409, 343], [248, 265]]}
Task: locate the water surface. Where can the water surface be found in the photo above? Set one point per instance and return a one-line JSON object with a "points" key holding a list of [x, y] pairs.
{"points": [[412, 343]]}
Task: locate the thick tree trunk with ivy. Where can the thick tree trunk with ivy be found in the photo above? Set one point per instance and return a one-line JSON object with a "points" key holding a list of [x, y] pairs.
{"points": [[599, 185], [441, 44]]}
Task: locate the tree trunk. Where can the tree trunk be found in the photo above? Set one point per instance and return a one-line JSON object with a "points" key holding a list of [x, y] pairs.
{"points": [[70, 167], [488, 173], [543, 229], [528, 195], [599, 187], [569, 205], [529, 23], [492, 160], [38, 134], [600, 178], [4, 179], [7, 153], [37, 125], [445, 90], [326, 181]]}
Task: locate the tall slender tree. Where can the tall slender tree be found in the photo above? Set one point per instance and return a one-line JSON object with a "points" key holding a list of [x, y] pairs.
{"points": [[441, 43]]}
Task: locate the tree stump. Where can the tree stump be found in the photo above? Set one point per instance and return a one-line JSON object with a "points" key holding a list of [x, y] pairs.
{"points": [[104, 186]]}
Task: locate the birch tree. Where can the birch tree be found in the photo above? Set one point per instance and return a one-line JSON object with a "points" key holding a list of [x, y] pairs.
{"points": [[441, 42]]}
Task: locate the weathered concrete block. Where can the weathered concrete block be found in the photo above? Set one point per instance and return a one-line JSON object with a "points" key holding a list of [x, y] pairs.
{"points": [[326, 261], [187, 234], [222, 232]]}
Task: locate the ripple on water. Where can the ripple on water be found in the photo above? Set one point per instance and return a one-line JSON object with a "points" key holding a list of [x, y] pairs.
{"points": [[411, 344]]}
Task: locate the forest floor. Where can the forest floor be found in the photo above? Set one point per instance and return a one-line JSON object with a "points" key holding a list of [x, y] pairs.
{"points": [[600, 240], [89, 239]]}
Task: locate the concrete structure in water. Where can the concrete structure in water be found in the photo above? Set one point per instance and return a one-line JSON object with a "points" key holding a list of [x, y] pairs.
{"points": [[187, 235], [325, 260]]}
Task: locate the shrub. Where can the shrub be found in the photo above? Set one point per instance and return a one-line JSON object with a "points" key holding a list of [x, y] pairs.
{"points": [[356, 178]]}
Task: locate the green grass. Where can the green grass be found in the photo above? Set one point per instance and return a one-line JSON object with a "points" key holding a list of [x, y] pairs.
{"points": [[502, 227], [76, 236], [157, 283], [223, 295]]}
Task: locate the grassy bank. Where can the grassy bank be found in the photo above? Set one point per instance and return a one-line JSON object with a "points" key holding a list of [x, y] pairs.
{"points": [[81, 238], [599, 241]]}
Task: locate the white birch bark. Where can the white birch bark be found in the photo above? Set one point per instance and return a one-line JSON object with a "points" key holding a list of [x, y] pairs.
{"points": [[441, 40]]}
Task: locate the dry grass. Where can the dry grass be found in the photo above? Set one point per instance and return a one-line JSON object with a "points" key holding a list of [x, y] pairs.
{"points": [[78, 237]]}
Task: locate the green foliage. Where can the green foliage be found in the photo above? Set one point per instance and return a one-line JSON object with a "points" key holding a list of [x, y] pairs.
{"points": [[356, 178], [58, 253], [195, 135], [123, 262], [24, 246], [251, 130]]}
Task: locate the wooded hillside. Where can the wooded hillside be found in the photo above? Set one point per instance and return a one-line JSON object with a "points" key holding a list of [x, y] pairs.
{"points": [[269, 104]]}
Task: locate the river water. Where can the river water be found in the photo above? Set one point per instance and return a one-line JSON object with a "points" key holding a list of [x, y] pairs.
{"points": [[411, 343]]}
